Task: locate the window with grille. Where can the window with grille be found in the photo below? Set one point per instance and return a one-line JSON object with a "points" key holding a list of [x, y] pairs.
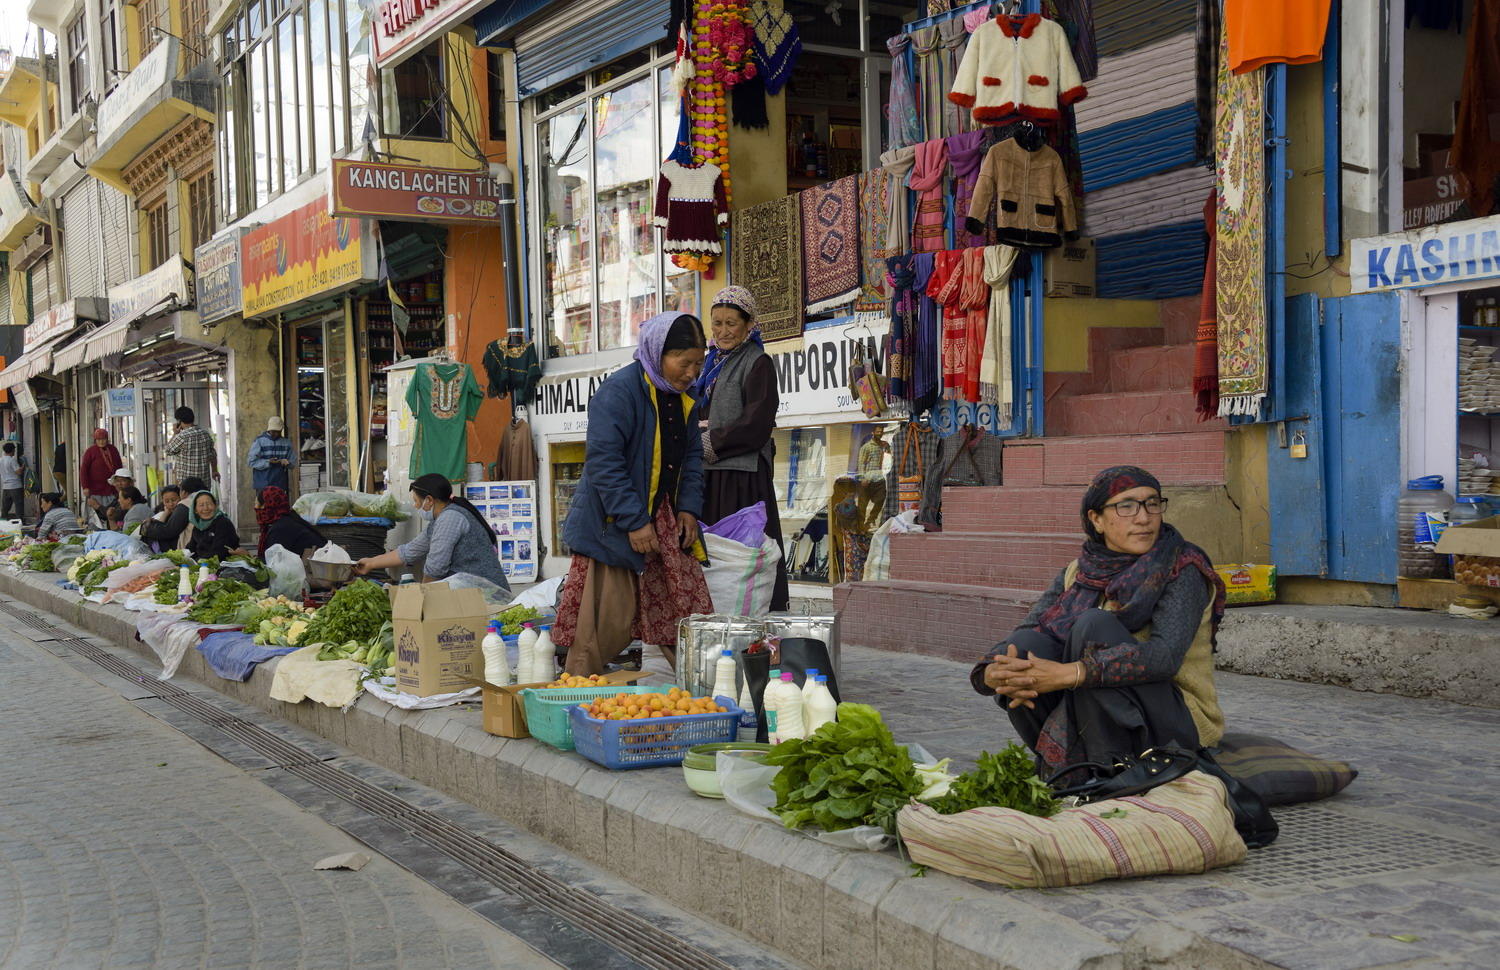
{"points": [[152, 15], [78, 62], [158, 236], [202, 208], [416, 103], [194, 25], [109, 43]]}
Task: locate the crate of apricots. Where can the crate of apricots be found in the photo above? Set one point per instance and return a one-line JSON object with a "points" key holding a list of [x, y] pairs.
{"points": [[650, 728], [547, 706]]}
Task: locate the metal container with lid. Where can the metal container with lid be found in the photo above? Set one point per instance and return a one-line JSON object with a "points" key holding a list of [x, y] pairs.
{"points": [[702, 637], [820, 626]]}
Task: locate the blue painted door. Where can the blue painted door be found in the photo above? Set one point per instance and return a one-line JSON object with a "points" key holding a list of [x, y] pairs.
{"points": [[1333, 514]]}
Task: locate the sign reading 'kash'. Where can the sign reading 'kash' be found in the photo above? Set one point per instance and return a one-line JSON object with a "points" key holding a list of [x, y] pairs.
{"points": [[413, 193], [304, 253]]}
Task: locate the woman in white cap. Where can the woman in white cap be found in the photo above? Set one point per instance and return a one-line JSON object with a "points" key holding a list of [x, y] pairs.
{"points": [[271, 458], [738, 397]]}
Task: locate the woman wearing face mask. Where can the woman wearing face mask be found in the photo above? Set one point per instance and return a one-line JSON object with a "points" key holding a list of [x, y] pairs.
{"points": [[457, 541], [633, 524], [738, 397]]}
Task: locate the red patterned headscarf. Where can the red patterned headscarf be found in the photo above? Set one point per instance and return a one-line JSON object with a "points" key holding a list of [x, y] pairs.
{"points": [[273, 506]]}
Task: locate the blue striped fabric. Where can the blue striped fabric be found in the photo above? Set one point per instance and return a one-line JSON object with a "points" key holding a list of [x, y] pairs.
{"points": [[1123, 25], [1157, 142], [1153, 264]]}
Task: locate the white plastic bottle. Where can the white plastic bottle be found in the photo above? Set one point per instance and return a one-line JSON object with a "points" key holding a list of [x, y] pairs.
{"points": [[202, 578], [525, 655], [724, 670], [789, 722], [184, 584], [496, 669], [770, 700], [545, 660], [809, 682], [821, 708]]}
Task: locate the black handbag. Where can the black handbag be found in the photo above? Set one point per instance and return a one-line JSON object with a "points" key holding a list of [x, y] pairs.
{"points": [[1157, 766]]}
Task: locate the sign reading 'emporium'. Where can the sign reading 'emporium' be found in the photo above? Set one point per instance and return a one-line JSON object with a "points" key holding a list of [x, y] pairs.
{"points": [[414, 193]]}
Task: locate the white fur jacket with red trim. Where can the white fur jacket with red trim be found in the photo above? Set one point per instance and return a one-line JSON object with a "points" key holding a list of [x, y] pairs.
{"points": [[1017, 67]]}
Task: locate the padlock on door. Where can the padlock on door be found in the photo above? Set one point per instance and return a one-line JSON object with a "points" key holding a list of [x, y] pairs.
{"points": [[1299, 445]]}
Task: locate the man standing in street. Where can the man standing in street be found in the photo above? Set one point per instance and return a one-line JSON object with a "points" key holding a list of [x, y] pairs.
{"points": [[192, 449], [271, 458], [95, 471], [12, 483]]}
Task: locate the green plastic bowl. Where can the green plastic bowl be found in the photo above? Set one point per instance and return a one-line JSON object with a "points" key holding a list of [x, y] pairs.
{"points": [[703, 756]]}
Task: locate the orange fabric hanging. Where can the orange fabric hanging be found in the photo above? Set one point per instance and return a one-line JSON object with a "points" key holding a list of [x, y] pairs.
{"points": [[1274, 32]]}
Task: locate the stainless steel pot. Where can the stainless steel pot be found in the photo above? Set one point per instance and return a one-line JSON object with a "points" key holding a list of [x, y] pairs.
{"points": [[701, 637], [823, 627]]}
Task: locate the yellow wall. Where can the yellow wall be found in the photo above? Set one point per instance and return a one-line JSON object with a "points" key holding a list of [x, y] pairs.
{"points": [[1067, 321], [1308, 267]]}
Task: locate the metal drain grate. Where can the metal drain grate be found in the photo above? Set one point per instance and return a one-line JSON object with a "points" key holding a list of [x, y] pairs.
{"points": [[1325, 849], [630, 935]]}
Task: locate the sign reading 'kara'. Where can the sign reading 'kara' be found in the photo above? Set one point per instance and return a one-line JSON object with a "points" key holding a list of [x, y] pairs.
{"points": [[414, 193]]}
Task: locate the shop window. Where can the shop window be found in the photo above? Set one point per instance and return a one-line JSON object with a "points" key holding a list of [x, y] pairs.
{"points": [[194, 20], [201, 206], [417, 99], [158, 236], [152, 17], [78, 62], [824, 119], [603, 273], [495, 80]]}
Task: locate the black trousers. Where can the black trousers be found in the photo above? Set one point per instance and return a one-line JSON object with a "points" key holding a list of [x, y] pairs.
{"points": [[1106, 721], [13, 505]]}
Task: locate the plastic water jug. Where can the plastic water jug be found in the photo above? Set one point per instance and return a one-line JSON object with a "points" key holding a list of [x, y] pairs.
{"points": [[1470, 508], [1415, 557]]}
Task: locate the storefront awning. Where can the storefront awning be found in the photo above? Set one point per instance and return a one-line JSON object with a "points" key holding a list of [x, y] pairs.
{"points": [[107, 341], [25, 367], [69, 357]]}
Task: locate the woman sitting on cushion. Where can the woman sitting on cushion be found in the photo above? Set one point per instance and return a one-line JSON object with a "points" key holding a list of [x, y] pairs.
{"points": [[1117, 656]]}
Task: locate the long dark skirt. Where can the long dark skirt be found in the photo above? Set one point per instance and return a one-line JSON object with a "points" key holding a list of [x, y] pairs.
{"points": [[726, 492], [1097, 723]]}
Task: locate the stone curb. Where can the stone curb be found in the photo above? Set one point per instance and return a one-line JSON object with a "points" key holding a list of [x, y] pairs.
{"points": [[833, 908]]}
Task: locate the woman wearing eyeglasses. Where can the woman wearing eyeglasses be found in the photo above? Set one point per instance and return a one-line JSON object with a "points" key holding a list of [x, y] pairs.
{"points": [[1117, 656]]}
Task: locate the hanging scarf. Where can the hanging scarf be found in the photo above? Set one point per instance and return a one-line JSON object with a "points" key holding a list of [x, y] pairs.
{"points": [[965, 153], [902, 112], [649, 350], [198, 523], [900, 276], [897, 164], [929, 233], [1134, 582], [995, 385], [273, 507]]}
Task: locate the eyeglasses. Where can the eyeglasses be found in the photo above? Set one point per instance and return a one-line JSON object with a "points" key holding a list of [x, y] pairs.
{"points": [[1127, 508]]}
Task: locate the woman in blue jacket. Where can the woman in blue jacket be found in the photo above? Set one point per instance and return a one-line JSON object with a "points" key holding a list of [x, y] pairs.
{"points": [[633, 524]]}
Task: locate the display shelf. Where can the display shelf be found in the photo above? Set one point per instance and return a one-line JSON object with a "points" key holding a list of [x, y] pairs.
{"points": [[1478, 414], [1495, 331]]}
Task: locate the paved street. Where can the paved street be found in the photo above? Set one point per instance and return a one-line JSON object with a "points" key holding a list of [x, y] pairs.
{"points": [[125, 844]]}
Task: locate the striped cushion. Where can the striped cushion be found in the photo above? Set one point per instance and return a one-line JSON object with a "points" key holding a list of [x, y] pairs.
{"points": [[1279, 774], [1183, 826]]}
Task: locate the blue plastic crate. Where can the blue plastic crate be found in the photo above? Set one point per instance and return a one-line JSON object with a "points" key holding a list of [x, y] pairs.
{"points": [[651, 742]]}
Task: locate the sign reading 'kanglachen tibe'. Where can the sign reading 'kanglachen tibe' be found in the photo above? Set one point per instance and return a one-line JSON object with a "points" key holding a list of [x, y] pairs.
{"points": [[412, 192]]}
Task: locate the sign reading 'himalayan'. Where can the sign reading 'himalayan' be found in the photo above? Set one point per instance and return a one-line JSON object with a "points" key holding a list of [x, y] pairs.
{"points": [[414, 193], [304, 253]]}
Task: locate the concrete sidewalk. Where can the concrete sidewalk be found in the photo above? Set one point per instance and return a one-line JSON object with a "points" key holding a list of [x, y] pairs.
{"points": [[1409, 850]]}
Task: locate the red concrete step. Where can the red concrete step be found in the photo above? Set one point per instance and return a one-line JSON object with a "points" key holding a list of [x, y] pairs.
{"points": [[1104, 344], [1168, 369], [1026, 561], [1006, 508], [1126, 413], [952, 621], [1189, 458], [1179, 317]]}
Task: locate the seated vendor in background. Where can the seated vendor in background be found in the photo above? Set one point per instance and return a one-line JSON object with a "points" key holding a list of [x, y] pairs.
{"points": [[459, 540], [1117, 656], [165, 529], [212, 533]]}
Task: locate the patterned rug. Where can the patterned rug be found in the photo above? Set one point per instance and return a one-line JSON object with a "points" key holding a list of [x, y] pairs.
{"points": [[766, 260], [830, 244], [874, 226], [1241, 241]]}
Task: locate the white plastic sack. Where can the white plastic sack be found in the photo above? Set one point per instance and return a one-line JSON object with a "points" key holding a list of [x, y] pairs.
{"points": [[740, 578], [136, 570], [332, 552], [542, 597], [495, 598], [288, 574], [384, 688], [170, 637], [127, 546], [878, 562], [300, 676]]}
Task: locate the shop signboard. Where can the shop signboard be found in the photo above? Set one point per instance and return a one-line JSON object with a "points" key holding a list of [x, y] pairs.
{"points": [[25, 400], [414, 193], [132, 298], [131, 94], [1451, 253], [121, 402], [401, 27], [813, 381], [52, 323], [305, 253], [220, 292]]}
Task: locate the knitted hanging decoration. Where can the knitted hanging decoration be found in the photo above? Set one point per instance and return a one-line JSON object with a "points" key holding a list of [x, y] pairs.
{"points": [[777, 44], [749, 97]]}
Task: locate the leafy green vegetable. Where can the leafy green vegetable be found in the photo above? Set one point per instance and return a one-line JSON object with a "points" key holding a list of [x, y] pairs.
{"points": [[165, 592], [1113, 813], [846, 773], [219, 601], [39, 556], [1004, 780], [512, 617], [355, 612]]}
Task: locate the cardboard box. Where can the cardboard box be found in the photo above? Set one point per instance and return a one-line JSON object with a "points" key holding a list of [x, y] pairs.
{"points": [[1427, 201], [1246, 583], [438, 632], [505, 711], [1475, 549], [1071, 268]]}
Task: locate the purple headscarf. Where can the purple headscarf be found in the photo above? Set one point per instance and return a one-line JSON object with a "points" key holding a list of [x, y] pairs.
{"points": [[649, 349]]}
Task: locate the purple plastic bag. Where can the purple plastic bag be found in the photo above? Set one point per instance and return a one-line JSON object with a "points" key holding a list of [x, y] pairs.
{"points": [[747, 526]]}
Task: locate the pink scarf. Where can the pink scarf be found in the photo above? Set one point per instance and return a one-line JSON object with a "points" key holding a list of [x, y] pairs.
{"points": [[929, 234]]}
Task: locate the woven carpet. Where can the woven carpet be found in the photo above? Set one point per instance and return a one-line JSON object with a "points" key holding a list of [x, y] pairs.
{"points": [[874, 226], [830, 244], [766, 260]]}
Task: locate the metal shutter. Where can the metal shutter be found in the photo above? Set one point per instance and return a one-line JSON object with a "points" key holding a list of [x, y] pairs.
{"points": [[114, 210], [5, 314], [582, 38], [43, 286], [83, 256]]}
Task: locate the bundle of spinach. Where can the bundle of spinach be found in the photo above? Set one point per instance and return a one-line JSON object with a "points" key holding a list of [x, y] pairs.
{"points": [[219, 601], [846, 773], [1004, 780], [39, 557]]}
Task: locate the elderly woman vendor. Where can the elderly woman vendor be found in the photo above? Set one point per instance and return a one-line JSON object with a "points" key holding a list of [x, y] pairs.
{"points": [[1117, 656]]}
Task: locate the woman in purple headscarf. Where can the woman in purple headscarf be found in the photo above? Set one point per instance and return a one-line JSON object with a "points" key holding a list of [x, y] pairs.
{"points": [[633, 522]]}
